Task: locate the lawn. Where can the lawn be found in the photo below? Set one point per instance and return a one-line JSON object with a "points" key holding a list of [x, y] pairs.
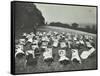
{"points": [[90, 63]]}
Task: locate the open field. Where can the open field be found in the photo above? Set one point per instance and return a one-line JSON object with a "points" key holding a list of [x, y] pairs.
{"points": [[60, 29], [90, 63]]}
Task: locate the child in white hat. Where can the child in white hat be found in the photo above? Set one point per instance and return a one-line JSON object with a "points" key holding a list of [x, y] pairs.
{"points": [[63, 59]]}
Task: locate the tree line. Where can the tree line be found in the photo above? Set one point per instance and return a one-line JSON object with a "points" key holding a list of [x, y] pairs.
{"points": [[76, 26]]}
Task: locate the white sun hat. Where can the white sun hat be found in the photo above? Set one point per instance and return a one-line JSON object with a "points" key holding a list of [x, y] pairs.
{"points": [[62, 54]]}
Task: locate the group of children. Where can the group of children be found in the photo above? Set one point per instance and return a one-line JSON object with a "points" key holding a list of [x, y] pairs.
{"points": [[31, 46]]}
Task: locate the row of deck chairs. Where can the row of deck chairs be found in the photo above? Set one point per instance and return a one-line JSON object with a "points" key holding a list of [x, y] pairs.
{"points": [[31, 46]]}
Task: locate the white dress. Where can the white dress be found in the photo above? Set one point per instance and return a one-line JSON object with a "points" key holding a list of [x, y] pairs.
{"points": [[55, 43], [48, 53], [19, 50], [75, 55]]}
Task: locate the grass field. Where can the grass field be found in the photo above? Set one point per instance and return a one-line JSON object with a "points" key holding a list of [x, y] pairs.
{"points": [[60, 29], [90, 63]]}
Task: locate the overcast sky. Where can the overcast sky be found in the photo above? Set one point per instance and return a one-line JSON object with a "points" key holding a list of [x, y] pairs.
{"points": [[67, 14]]}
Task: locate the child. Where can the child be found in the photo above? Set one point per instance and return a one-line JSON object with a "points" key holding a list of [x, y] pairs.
{"points": [[30, 57], [48, 58], [75, 56], [44, 44], [19, 51], [63, 59], [55, 43]]}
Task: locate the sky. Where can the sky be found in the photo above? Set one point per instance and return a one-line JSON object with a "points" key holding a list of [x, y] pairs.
{"points": [[68, 14]]}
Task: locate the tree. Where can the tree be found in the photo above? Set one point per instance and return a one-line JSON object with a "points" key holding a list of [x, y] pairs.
{"points": [[75, 25], [27, 17]]}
